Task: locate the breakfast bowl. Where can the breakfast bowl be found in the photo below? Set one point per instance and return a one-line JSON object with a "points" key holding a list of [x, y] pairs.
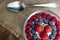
{"points": [[42, 25]]}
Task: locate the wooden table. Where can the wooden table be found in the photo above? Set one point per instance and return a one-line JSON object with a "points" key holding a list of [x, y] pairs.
{"points": [[14, 21]]}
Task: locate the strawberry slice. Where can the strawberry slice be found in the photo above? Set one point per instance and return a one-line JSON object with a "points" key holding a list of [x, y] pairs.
{"points": [[28, 26], [57, 37], [44, 15], [43, 35], [48, 16], [48, 28], [54, 19], [38, 28], [38, 15]]}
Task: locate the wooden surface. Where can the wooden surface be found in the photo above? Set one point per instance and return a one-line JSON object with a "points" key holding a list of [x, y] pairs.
{"points": [[14, 21]]}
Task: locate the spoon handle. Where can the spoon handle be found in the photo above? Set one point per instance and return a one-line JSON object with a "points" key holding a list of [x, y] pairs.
{"points": [[52, 5]]}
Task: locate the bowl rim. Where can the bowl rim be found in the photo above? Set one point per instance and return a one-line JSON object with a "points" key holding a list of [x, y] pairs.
{"points": [[33, 13]]}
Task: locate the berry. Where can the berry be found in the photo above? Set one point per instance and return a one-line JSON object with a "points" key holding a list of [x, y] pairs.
{"points": [[30, 21], [35, 36], [57, 23], [28, 36], [44, 15], [51, 23], [33, 26], [54, 28], [41, 20], [38, 15], [45, 21], [28, 26], [34, 17], [27, 31], [48, 16], [48, 28], [33, 31], [58, 32], [43, 35], [36, 22], [38, 28], [54, 19], [31, 38], [58, 27], [57, 37]]}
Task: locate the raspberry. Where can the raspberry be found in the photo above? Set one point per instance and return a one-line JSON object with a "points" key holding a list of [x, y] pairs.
{"points": [[57, 23], [48, 28], [38, 15], [43, 35], [48, 16], [38, 28], [28, 36], [34, 17], [28, 26], [44, 15], [27, 31], [30, 21], [58, 32], [54, 19], [57, 37], [58, 27], [31, 38]]}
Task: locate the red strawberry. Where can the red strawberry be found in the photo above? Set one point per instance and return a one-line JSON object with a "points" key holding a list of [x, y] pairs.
{"points": [[28, 26], [48, 28], [57, 37], [34, 17], [38, 28], [30, 21], [48, 16], [43, 35], [38, 15], [44, 15], [54, 19]]}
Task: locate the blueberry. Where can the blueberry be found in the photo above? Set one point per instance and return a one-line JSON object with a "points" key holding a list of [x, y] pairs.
{"points": [[32, 31], [45, 21], [36, 22], [52, 36], [35, 36], [54, 28], [33, 26], [41, 20], [37, 39], [51, 23]]}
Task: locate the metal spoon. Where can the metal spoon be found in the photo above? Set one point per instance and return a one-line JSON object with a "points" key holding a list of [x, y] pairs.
{"points": [[19, 6]]}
